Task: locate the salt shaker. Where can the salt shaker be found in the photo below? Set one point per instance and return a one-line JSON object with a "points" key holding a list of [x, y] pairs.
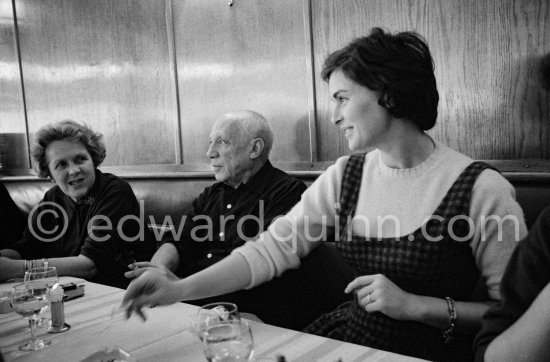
{"points": [[58, 312]]}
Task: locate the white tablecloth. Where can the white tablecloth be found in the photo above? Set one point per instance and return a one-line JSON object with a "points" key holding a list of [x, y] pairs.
{"points": [[165, 336]]}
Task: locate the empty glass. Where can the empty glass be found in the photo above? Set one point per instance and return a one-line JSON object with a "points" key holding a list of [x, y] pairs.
{"points": [[30, 300], [228, 341]]}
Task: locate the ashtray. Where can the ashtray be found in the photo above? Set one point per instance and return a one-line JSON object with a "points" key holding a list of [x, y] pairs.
{"points": [[110, 354]]}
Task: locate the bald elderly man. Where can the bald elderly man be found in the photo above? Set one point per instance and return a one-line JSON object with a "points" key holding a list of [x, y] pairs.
{"points": [[249, 194]]}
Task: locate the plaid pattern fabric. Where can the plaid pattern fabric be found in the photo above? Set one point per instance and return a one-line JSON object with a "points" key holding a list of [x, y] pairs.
{"points": [[415, 262]]}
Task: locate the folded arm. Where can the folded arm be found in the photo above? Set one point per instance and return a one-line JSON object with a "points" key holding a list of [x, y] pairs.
{"points": [[376, 293], [77, 266]]}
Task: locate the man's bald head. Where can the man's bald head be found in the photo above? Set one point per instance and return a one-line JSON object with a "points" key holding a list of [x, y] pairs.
{"points": [[240, 143], [254, 125]]}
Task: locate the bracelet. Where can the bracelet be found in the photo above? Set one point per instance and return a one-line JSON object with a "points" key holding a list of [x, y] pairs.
{"points": [[448, 333], [29, 264], [33, 264]]}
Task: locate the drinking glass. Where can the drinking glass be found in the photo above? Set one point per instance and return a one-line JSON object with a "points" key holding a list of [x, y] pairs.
{"points": [[30, 300], [215, 313], [228, 341], [48, 275]]}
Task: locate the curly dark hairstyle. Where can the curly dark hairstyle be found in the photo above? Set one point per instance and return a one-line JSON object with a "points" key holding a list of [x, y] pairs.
{"points": [[71, 131], [399, 67]]}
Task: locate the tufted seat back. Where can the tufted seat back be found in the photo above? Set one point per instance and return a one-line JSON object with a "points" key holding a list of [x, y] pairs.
{"points": [[160, 197], [174, 195]]}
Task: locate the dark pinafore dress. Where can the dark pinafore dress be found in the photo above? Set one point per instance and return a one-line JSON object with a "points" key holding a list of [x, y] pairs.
{"points": [[416, 264]]}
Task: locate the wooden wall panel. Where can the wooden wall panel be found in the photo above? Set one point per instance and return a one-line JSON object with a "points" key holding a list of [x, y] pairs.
{"points": [[248, 56], [105, 63], [109, 63], [12, 115], [486, 55]]}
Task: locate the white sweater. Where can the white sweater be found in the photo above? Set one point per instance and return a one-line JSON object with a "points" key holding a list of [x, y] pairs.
{"points": [[406, 196]]}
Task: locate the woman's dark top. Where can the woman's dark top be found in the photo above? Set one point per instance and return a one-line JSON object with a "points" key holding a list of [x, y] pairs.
{"points": [[12, 221], [444, 268], [102, 226]]}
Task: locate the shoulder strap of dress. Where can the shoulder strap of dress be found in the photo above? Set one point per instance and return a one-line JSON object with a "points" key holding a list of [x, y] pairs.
{"points": [[457, 199], [349, 192]]}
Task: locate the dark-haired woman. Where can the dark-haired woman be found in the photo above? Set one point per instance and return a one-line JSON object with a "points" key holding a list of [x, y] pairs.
{"points": [[407, 216], [81, 225]]}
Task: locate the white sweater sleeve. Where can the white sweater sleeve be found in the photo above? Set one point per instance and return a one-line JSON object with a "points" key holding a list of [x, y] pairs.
{"points": [[294, 235], [499, 225]]}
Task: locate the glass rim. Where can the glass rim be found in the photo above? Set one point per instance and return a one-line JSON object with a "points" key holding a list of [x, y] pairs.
{"points": [[18, 285], [216, 304], [26, 284]]}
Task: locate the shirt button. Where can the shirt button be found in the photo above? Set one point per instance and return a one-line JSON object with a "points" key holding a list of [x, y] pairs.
{"points": [[209, 255], [229, 206], [221, 234]]}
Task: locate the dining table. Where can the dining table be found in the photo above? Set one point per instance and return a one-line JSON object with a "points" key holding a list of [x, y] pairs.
{"points": [[98, 323]]}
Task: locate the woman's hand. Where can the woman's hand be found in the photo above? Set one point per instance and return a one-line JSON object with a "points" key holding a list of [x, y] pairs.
{"points": [[153, 287], [376, 293]]}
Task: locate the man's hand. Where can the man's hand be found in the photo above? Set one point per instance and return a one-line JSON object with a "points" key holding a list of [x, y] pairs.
{"points": [[153, 287], [141, 267]]}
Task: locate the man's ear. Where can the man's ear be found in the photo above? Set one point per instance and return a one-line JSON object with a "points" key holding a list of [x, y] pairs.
{"points": [[257, 148]]}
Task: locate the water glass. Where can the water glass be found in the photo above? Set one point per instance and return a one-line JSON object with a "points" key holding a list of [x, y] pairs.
{"points": [[50, 277], [229, 341], [215, 313], [30, 300]]}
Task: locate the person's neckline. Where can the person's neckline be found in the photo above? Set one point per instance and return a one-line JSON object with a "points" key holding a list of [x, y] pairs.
{"points": [[415, 171]]}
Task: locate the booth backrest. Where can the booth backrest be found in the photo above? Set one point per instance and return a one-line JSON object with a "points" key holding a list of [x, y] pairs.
{"points": [[173, 196], [159, 197]]}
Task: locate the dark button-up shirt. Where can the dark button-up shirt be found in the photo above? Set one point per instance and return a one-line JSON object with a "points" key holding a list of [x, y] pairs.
{"points": [[12, 221], [224, 217], [60, 228]]}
